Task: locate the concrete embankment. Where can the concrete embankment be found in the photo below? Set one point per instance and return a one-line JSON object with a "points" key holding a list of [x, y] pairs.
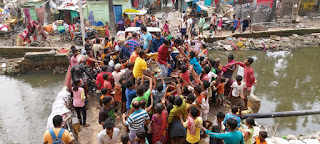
{"points": [[264, 34], [17, 60]]}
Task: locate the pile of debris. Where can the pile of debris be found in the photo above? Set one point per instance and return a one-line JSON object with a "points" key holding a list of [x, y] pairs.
{"points": [[257, 14], [272, 43]]}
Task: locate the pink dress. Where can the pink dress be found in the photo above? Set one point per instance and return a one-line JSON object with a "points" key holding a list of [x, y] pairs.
{"points": [[77, 101], [165, 28]]}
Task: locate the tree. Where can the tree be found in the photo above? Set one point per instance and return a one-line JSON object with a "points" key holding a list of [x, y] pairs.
{"points": [[112, 23], [273, 14]]}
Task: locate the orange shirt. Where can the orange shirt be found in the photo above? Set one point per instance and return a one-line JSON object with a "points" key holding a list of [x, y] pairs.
{"points": [[258, 141], [220, 88], [133, 57]]}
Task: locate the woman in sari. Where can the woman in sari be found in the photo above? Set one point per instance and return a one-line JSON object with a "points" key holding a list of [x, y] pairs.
{"points": [[159, 124]]}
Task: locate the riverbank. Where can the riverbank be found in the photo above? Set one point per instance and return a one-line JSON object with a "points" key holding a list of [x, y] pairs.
{"points": [[273, 42]]}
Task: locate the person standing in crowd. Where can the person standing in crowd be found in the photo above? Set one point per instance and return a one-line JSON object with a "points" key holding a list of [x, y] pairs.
{"points": [[100, 80], [232, 137], [79, 102], [136, 120], [166, 28], [133, 43], [140, 66], [110, 134], [228, 70], [107, 29], [193, 132], [197, 44], [235, 24], [236, 95], [201, 24], [246, 23], [159, 123], [232, 115], [177, 131], [124, 51], [75, 56], [97, 47], [147, 38], [213, 22], [220, 26], [248, 138], [107, 110], [135, 54], [157, 42], [117, 74], [184, 26], [57, 134], [163, 57], [130, 93], [261, 139], [248, 76]]}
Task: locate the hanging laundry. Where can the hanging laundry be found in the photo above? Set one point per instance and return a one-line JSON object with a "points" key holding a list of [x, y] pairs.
{"points": [[27, 13]]}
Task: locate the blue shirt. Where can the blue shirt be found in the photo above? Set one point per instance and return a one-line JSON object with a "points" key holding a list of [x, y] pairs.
{"points": [[132, 44], [156, 44], [232, 116], [196, 65], [235, 24], [229, 138], [146, 40], [130, 94]]}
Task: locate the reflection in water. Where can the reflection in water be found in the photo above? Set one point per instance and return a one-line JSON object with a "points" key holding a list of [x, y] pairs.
{"points": [[286, 81], [25, 104]]}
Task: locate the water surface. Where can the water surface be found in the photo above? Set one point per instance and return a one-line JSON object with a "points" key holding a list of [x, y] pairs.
{"points": [[286, 81], [25, 103]]}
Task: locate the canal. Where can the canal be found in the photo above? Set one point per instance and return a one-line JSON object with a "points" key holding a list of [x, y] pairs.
{"points": [[286, 81]]}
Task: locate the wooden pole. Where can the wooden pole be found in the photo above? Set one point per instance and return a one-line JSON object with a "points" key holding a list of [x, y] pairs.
{"points": [[283, 114], [82, 22]]}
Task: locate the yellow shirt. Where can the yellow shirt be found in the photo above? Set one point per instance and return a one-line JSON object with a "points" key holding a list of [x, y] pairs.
{"points": [[66, 137], [139, 66], [196, 137]]}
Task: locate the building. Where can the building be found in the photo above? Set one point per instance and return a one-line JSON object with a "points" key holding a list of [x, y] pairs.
{"points": [[100, 9]]}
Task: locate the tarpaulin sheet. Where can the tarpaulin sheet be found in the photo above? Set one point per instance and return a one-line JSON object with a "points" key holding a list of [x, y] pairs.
{"points": [[40, 13]]}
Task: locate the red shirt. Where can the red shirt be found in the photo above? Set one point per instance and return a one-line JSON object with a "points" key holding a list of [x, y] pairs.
{"points": [[100, 79], [186, 77], [163, 54], [248, 74]]}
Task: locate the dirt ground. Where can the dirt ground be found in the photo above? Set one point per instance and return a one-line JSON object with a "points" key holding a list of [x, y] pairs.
{"points": [[89, 135]]}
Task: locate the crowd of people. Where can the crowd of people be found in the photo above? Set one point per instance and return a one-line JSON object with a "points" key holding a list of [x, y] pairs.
{"points": [[151, 108]]}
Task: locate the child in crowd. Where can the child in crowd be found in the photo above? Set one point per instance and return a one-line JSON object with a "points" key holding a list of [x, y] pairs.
{"points": [[104, 93], [220, 92], [261, 139], [107, 111], [185, 75], [218, 127], [236, 93], [203, 51], [194, 62], [159, 91], [220, 26], [79, 102], [193, 132], [107, 84], [248, 138], [125, 138], [232, 115], [190, 101]]}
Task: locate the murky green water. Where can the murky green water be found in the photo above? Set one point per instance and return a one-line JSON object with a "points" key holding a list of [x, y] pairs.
{"points": [[286, 81], [25, 104]]}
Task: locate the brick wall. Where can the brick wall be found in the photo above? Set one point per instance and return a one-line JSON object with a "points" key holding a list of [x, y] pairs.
{"points": [[17, 52]]}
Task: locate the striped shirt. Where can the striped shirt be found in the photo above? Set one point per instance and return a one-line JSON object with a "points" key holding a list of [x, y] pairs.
{"points": [[136, 119], [132, 44]]}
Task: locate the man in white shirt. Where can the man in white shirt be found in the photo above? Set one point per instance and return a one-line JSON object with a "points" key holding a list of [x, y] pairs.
{"points": [[108, 135]]}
